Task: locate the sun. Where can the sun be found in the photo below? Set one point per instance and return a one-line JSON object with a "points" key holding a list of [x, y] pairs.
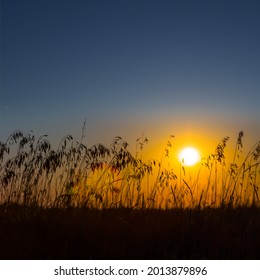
{"points": [[189, 156]]}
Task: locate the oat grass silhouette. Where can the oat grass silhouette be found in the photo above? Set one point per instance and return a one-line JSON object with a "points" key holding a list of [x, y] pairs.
{"points": [[104, 202], [101, 177]]}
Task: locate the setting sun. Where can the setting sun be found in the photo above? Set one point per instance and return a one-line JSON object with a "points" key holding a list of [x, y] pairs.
{"points": [[189, 156]]}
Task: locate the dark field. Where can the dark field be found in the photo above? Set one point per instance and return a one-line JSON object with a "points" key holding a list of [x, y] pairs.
{"points": [[74, 233]]}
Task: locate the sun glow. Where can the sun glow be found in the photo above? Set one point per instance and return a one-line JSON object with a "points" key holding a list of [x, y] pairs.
{"points": [[189, 156]]}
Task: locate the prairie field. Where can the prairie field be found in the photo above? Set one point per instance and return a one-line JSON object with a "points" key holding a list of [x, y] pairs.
{"points": [[107, 202]]}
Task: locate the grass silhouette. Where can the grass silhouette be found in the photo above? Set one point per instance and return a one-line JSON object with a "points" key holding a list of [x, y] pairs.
{"points": [[112, 177], [80, 202]]}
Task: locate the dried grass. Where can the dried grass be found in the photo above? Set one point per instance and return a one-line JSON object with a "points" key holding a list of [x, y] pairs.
{"points": [[75, 175]]}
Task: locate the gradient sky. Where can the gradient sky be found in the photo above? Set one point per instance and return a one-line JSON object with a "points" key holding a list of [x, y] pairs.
{"points": [[190, 68]]}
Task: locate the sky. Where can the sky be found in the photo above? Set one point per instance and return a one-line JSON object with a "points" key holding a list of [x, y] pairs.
{"points": [[131, 68]]}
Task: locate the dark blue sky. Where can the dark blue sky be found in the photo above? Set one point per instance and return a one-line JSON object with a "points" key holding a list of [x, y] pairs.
{"points": [[163, 66]]}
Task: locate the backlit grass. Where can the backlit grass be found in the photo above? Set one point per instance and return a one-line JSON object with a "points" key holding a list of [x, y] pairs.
{"points": [[105, 202], [75, 175]]}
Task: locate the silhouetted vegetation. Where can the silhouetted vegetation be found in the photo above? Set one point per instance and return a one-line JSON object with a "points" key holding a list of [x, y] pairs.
{"points": [[74, 233], [74, 175], [80, 202]]}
